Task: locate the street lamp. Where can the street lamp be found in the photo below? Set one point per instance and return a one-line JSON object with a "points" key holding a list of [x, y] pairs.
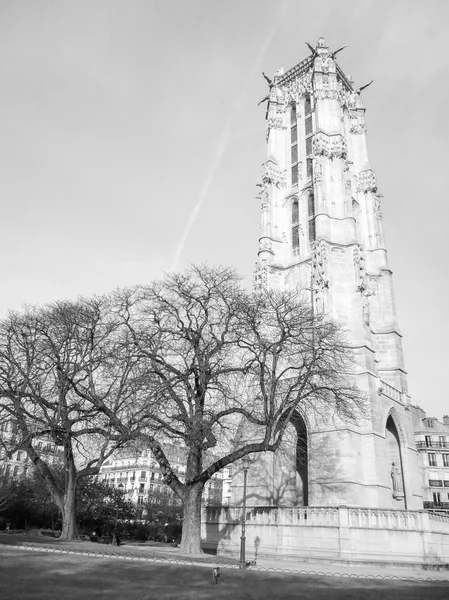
{"points": [[246, 463], [114, 537]]}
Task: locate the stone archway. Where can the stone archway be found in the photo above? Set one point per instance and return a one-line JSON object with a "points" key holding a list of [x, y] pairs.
{"points": [[302, 458], [290, 466], [394, 462]]}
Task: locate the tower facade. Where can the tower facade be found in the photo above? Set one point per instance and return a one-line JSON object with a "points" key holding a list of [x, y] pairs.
{"points": [[321, 228]]}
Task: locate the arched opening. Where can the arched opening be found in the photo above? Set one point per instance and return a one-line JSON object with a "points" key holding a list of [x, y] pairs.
{"points": [[302, 468], [290, 466], [394, 459]]}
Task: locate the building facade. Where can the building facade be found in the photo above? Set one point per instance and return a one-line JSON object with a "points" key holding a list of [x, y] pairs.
{"points": [[139, 475], [322, 230], [14, 462], [432, 443]]}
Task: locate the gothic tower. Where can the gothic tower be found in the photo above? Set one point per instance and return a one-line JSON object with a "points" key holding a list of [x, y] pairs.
{"points": [[321, 228]]}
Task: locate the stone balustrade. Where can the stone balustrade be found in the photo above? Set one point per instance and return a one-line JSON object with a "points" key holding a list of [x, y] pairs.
{"points": [[341, 516], [343, 532], [390, 391], [438, 523]]}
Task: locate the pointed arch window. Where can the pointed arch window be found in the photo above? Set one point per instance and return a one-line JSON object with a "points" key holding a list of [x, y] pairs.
{"points": [[294, 143], [295, 227], [311, 215]]}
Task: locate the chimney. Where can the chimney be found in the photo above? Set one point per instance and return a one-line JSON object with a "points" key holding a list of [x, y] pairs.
{"points": [[446, 420]]}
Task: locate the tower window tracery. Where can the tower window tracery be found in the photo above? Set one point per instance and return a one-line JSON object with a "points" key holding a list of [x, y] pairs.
{"points": [[294, 143], [311, 215], [295, 227], [308, 131]]}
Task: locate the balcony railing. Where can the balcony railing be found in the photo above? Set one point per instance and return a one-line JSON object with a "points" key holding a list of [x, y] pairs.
{"points": [[443, 505], [432, 444], [438, 483]]}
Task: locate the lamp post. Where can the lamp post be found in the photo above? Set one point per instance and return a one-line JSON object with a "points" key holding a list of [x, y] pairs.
{"points": [[246, 463], [114, 537]]}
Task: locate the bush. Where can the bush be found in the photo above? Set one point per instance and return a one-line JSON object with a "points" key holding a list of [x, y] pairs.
{"points": [[142, 533]]}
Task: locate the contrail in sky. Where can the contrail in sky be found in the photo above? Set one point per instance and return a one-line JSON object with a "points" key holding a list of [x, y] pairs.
{"points": [[224, 138]]}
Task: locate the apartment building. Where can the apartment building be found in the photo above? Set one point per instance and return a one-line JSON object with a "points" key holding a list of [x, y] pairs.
{"points": [[432, 443]]}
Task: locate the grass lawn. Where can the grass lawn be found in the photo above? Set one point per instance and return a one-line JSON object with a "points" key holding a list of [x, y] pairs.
{"points": [[26, 574]]}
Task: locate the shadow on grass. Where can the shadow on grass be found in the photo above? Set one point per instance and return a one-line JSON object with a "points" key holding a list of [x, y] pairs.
{"points": [[26, 575]]}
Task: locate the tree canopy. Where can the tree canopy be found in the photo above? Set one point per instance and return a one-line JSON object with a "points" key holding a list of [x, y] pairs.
{"points": [[194, 358]]}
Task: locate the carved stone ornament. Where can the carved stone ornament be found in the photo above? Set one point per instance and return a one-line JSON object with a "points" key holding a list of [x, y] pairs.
{"points": [[363, 285], [357, 128], [347, 175], [396, 479], [326, 86], [349, 98], [272, 174], [367, 182], [360, 263], [261, 275], [319, 264], [376, 206], [366, 305], [276, 122], [332, 146], [324, 63], [299, 86], [317, 171], [265, 245]]}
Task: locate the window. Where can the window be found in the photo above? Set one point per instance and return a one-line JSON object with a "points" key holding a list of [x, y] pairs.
{"points": [[294, 134], [141, 488], [308, 124], [19, 455], [442, 440], [445, 460], [432, 459], [294, 144], [436, 498], [311, 213], [309, 146], [295, 153], [143, 475], [295, 227], [428, 441]]}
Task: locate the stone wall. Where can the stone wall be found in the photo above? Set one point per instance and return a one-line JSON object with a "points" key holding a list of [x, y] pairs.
{"points": [[334, 533]]}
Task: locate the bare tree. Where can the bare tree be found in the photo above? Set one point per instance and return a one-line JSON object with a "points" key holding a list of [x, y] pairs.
{"points": [[221, 371], [44, 354]]}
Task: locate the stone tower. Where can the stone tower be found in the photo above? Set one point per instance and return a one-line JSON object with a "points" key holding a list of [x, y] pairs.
{"points": [[321, 228]]}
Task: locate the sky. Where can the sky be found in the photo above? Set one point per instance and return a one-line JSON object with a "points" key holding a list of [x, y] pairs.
{"points": [[131, 144]]}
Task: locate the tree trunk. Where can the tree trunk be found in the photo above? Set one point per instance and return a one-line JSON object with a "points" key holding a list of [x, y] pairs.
{"points": [[69, 527], [191, 525]]}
